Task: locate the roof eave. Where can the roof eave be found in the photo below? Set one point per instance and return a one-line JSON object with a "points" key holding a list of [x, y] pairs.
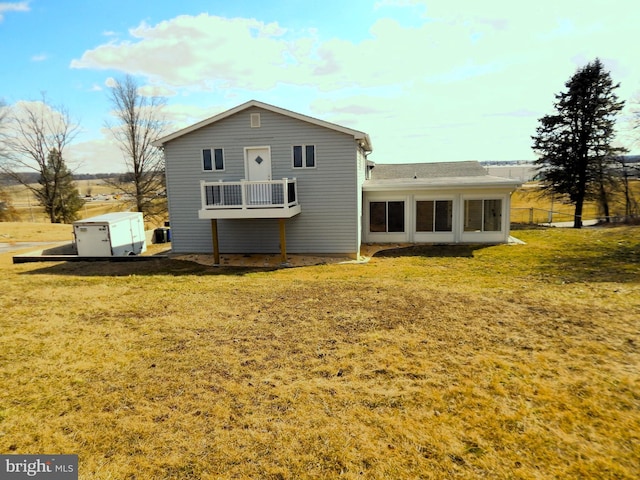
{"points": [[413, 185], [361, 137]]}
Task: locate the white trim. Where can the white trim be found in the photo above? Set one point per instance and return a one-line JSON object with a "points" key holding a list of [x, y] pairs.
{"points": [[362, 138], [387, 237], [433, 236], [446, 185], [501, 235], [239, 213], [255, 120]]}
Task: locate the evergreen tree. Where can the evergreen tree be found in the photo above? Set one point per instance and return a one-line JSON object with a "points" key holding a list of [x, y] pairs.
{"points": [[57, 192], [574, 144]]}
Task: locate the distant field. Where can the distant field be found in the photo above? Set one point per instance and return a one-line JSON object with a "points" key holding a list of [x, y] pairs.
{"points": [[100, 198], [528, 203], [506, 362]]}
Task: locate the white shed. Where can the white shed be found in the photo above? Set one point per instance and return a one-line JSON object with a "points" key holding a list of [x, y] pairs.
{"points": [[110, 235]]}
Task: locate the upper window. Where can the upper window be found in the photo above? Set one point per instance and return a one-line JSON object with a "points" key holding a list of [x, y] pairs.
{"points": [[212, 159], [434, 216], [304, 156], [483, 215], [255, 120], [386, 217]]}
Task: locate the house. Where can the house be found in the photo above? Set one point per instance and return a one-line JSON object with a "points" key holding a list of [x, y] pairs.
{"points": [[262, 179]]}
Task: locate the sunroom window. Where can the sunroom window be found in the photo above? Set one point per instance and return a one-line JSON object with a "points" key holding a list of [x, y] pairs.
{"points": [[386, 217], [483, 215], [434, 216]]}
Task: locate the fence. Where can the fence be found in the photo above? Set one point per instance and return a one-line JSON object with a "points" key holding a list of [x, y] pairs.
{"points": [[538, 215], [245, 194], [534, 216]]}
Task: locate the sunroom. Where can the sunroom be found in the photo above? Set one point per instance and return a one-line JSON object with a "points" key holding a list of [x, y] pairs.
{"points": [[438, 209]]}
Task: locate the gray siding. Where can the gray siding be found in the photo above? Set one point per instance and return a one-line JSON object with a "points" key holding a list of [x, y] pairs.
{"points": [[328, 194]]}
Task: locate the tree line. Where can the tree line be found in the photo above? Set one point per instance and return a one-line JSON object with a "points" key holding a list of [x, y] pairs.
{"points": [[33, 177], [35, 136]]}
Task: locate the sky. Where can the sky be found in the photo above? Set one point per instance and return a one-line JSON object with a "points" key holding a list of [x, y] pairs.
{"points": [[428, 80]]}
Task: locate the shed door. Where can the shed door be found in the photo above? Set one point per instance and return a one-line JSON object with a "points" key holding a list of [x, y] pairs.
{"points": [[258, 169]]}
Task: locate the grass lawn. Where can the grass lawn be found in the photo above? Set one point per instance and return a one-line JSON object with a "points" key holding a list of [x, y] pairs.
{"points": [[436, 362]]}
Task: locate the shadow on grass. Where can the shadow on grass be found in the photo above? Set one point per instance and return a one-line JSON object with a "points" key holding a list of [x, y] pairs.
{"points": [[618, 265], [436, 251], [66, 249], [160, 266]]}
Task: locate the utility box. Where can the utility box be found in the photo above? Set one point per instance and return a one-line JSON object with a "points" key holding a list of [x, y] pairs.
{"points": [[110, 235]]}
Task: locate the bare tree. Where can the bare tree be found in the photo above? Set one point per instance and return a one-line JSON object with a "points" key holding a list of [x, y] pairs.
{"points": [[627, 173], [4, 115], [629, 167], [140, 122], [31, 133]]}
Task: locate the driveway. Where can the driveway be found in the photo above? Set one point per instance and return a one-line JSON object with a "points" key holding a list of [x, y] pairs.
{"points": [[11, 247], [585, 223]]}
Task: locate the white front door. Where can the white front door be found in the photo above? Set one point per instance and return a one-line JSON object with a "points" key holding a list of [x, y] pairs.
{"points": [[258, 169]]}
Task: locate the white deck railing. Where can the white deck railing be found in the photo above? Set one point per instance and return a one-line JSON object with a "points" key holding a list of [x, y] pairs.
{"points": [[246, 194]]}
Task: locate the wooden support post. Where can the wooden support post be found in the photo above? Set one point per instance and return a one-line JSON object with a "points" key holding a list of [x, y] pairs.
{"points": [[214, 237], [283, 241]]}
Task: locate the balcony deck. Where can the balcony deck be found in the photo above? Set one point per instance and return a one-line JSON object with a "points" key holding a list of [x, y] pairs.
{"points": [[248, 199]]}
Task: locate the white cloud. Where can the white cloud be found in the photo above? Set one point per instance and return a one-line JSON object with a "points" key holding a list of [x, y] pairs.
{"points": [[40, 57], [110, 82], [156, 91], [150, 90], [180, 115], [468, 80], [13, 7], [96, 155], [203, 51]]}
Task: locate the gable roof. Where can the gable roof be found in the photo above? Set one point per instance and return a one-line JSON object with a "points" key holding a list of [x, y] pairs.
{"points": [[361, 137], [433, 176]]}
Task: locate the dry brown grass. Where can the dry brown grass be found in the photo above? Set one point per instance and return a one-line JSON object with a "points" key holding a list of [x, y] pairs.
{"points": [[467, 362], [11, 232]]}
